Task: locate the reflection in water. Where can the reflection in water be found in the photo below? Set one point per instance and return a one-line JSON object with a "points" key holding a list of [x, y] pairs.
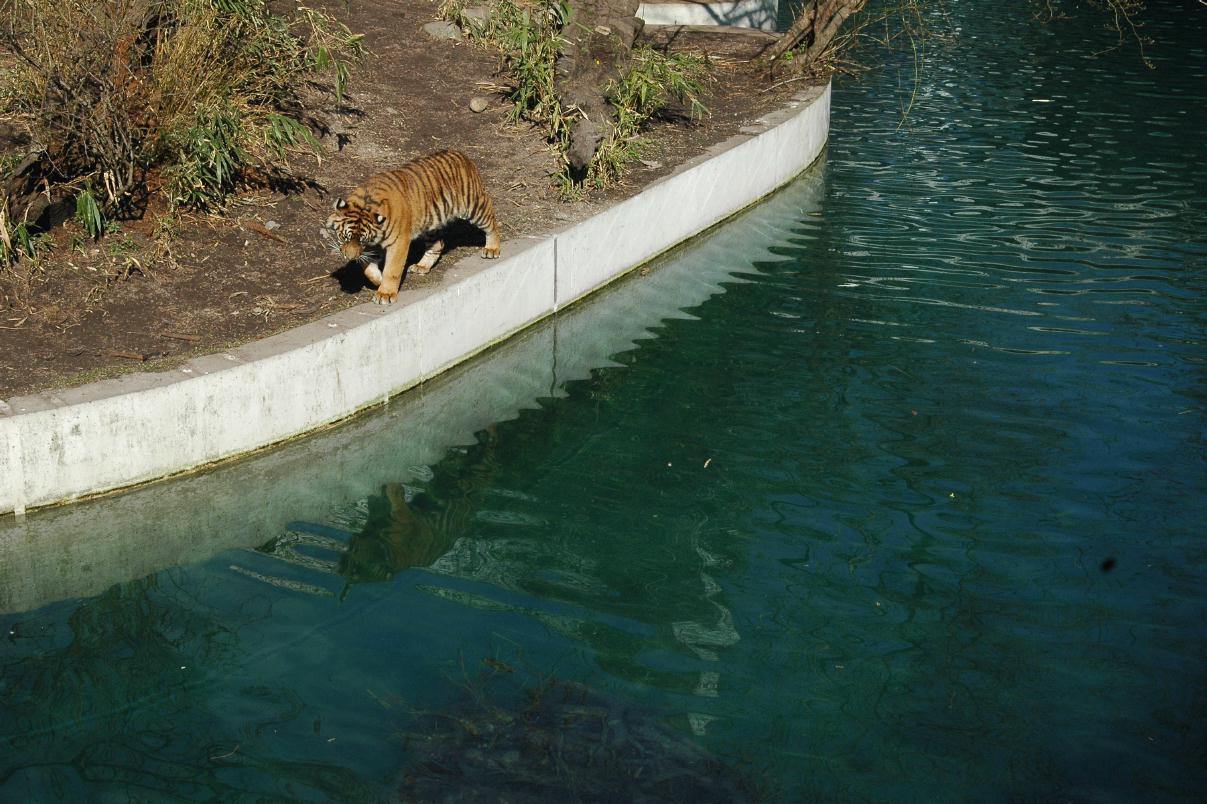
{"points": [[402, 531], [398, 535]]}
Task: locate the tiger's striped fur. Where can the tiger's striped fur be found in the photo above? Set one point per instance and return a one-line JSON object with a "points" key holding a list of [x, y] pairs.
{"points": [[391, 209]]}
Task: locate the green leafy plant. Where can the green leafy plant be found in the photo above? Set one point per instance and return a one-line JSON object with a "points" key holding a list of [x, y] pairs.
{"points": [[18, 240], [330, 46], [210, 156], [528, 35], [88, 213], [15, 241], [282, 134], [653, 82]]}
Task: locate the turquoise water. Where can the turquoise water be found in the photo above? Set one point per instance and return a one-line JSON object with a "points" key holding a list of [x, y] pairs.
{"points": [[891, 489]]}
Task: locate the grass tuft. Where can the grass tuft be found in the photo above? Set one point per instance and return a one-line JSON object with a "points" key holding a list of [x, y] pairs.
{"points": [[527, 35], [88, 213], [654, 82], [197, 97]]}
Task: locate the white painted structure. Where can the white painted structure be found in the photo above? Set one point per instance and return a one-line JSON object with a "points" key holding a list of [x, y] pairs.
{"points": [[61, 446], [760, 14]]}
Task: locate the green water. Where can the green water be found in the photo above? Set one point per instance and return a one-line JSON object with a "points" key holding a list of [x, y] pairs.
{"points": [[891, 489]]}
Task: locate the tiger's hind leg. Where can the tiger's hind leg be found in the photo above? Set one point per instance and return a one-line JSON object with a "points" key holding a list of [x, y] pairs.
{"points": [[485, 220], [429, 258], [493, 243]]}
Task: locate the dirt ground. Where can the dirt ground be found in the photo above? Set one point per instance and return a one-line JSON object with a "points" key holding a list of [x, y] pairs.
{"points": [[94, 310]]}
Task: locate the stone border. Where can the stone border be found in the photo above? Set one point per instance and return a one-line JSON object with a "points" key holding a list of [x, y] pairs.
{"points": [[62, 446]]}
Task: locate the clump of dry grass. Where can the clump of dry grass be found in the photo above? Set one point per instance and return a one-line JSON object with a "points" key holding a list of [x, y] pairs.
{"points": [[116, 102]]}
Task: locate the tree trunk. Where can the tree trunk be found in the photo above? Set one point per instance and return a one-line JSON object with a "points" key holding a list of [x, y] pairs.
{"points": [[599, 37], [815, 28]]}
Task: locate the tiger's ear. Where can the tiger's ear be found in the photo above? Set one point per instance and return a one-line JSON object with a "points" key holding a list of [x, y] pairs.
{"points": [[340, 203], [380, 218]]}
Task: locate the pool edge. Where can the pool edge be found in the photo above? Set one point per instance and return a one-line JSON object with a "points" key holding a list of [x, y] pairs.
{"points": [[71, 444]]}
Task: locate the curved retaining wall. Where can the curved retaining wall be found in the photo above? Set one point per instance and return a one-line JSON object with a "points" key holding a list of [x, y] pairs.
{"points": [[80, 550], [61, 446]]}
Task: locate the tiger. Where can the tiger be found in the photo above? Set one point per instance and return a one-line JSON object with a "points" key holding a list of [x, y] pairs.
{"points": [[391, 209]]}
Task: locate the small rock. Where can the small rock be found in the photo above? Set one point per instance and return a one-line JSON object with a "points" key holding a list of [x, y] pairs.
{"points": [[478, 104], [270, 225], [651, 164], [476, 16], [443, 29]]}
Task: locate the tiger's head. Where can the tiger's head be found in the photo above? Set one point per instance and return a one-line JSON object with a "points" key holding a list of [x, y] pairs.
{"points": [[355, 226]]}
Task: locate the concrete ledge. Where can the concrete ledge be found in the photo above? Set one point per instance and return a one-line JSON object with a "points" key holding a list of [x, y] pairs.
{"points": [[88, 440], [758, 14]]}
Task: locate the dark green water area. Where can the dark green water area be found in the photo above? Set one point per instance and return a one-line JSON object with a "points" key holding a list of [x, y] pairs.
{"points": [[892, 488]]}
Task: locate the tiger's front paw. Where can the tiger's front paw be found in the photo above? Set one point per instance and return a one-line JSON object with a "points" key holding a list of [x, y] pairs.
{"points": [[490, 253], [385, 296]]}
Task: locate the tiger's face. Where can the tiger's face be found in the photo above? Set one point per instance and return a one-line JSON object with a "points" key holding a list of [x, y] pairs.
{"points": [[354, 226]]}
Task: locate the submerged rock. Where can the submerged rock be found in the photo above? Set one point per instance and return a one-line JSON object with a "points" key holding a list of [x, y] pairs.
{"points": [[560, 742]]}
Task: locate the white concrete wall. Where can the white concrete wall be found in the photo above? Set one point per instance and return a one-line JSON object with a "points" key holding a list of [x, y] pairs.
{"points": [[116, 433], [760, 14]]}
